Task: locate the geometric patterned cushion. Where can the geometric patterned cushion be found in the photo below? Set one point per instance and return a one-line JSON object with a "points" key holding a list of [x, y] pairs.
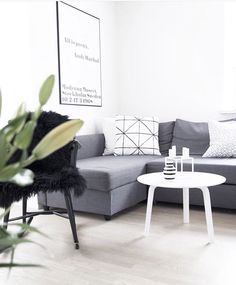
{"points": [[222, 139], [136, 136]]}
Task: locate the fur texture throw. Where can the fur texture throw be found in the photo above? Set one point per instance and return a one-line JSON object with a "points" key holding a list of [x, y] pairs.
{"points": [[54, 173]]}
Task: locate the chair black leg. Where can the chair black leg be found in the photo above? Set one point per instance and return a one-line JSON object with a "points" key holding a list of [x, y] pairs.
{"points": [[5, 220], [46, 208], [71, 217], [24, 210]]}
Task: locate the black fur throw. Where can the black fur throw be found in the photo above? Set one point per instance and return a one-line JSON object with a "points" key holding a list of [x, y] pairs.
{"points": [[54, 173]]}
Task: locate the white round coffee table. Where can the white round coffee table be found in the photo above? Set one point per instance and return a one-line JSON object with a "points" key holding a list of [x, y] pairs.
{"points": [[185, 180]]}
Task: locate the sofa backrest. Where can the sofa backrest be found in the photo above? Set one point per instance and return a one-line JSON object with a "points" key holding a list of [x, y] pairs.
{"points": [[90, 145], [181, 133], [93, 145]]}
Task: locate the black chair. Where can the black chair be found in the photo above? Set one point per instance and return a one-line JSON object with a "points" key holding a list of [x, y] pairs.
{"points": [[55, 173]]}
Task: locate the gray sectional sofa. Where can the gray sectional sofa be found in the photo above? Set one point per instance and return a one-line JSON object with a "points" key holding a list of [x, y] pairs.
{"points": [[112, 180]]}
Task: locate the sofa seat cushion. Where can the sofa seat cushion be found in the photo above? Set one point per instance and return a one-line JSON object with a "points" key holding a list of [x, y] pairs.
{"points": [[221, 166], [105, 173]]}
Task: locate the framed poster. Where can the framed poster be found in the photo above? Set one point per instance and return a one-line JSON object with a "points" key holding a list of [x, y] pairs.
{"points": [[79, 56]]}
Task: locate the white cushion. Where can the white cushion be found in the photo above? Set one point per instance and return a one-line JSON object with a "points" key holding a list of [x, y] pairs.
{"points": [[222, 139], [109, 131], [136, 136]]}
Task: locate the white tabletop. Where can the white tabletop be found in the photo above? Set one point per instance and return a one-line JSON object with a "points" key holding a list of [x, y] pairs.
{"points": [[182, 180]]}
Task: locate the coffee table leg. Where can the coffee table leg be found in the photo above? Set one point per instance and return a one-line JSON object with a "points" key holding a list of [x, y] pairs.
{"points": [[149, 209], [186, 205], [208, 213]]}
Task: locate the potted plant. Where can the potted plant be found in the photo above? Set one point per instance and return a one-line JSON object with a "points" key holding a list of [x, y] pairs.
{"points": [[17, 135]]}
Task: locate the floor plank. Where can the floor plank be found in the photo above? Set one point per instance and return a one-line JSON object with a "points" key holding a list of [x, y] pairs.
{"points": [[116, 252]]}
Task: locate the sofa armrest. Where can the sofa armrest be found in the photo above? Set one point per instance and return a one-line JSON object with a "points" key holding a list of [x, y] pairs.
{"points": [[90, 145]]}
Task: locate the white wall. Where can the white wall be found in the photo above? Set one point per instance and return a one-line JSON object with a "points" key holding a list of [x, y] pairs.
{"points": [[29, 54], [171, 58], [15, 80], [162, 58], [229, 98]]}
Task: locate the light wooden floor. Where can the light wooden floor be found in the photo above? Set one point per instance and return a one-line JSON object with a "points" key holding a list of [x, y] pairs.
{"points": [[116, 252]]}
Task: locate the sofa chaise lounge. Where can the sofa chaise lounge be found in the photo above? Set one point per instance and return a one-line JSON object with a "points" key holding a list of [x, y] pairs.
{"points": [[112, 180]]}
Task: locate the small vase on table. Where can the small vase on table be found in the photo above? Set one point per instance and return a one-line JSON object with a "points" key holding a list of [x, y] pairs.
{"points": [[169, 170]]}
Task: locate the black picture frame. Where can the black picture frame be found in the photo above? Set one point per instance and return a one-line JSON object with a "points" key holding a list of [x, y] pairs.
{"points": [[60, 55]]}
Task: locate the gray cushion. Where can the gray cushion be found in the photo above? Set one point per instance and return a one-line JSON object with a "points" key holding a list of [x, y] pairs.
{"points": [[105, 173], [192, 135], [221, 166], [165, 136]]}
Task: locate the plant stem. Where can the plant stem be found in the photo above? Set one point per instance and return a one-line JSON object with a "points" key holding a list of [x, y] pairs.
{"points": [[12, 258], [11, 152], [28, 161]]}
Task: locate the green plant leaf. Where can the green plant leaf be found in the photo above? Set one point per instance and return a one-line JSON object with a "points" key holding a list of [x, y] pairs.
{"points": [[24, 138], [24, 156], [57, 138], [36, 114], [0, 102], [14, 126], [9, 171], [7, 265], [5, 212], [10, 241], [24, 177], [4, 149], [12, 257], [21, 110], [46, 90], [3, 232], [28, 228]]}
